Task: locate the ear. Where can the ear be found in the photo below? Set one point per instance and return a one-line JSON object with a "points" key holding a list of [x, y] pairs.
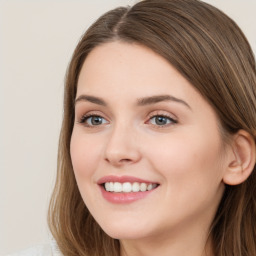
{"points": [[241, 160]]}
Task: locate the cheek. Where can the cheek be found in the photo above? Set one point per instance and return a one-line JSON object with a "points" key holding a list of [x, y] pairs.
{"points": [[188, 159], [84, 155], [191, 173]]}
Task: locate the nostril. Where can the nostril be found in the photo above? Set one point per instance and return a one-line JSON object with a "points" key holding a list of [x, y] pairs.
{"points": [[122, 154], [119, 162], [125, 160]]}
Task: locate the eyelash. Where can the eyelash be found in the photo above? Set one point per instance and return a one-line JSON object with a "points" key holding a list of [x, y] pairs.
{"points": [[85, 118], [171, 120]]}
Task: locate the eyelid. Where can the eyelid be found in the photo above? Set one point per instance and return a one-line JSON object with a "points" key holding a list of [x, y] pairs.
{"points": [[84, 117], [171, 117], [162, 113]]}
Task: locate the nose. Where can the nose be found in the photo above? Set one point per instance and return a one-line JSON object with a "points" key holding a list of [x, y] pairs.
{"points": [[122, 147]]}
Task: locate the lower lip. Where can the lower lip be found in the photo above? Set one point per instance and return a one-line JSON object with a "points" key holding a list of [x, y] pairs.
{"points": [[124, 198]]}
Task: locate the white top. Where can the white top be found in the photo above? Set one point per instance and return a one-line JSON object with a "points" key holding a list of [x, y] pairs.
{"points": [[50, 249]]}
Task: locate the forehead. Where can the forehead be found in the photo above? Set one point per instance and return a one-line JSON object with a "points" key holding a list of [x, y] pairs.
{"points": [[127, 67]]}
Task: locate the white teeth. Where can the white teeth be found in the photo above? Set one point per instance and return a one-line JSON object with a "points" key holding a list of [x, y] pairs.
{"points": [[136, 187], [127, 187], [143, 187], [150, 186], [107, 186], [118, 187], [111, 186]]}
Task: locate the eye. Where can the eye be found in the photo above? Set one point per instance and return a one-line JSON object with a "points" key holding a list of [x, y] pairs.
{"points": [[161, 120], [93, 120]]}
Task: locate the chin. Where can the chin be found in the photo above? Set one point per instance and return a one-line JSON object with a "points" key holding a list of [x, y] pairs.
{"points": [[124, 235], [127, 231]]}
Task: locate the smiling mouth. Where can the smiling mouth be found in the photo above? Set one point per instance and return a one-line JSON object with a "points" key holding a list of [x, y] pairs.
{"points": [[128, 187]]}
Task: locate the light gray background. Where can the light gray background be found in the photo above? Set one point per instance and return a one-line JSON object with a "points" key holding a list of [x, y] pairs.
{"points": [[36, 42]]}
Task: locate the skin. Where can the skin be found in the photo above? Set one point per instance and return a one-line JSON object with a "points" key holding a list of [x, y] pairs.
{"points": [[185, 156]]}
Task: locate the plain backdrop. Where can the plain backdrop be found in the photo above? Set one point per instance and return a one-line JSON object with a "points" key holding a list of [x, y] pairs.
{"points": [[36, 42]]}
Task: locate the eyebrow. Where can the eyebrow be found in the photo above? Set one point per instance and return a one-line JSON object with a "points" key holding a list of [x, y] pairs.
{"points": [[91, 99], [159, 98], [140, 102]]}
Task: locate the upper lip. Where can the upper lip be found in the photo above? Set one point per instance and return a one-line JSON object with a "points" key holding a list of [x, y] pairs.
{"points": [[122, 179]]}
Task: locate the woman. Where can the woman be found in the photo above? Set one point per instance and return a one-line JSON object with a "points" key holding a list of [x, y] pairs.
{"points": [[157, 147]]}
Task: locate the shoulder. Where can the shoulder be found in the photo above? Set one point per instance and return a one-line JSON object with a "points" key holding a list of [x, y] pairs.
{"points": [[50, 249]]}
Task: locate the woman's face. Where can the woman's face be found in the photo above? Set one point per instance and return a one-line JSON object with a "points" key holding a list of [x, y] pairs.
{"points": [[142, 130]]}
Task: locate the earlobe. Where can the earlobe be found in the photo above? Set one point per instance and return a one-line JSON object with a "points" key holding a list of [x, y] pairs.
{"points": [[242, 160]]}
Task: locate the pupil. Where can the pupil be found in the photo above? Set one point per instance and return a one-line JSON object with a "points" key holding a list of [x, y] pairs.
{"points": [[161, 120], [96, 120]]}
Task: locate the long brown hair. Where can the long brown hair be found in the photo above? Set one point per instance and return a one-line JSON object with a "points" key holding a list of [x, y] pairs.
{"points": [[212, 53]]}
